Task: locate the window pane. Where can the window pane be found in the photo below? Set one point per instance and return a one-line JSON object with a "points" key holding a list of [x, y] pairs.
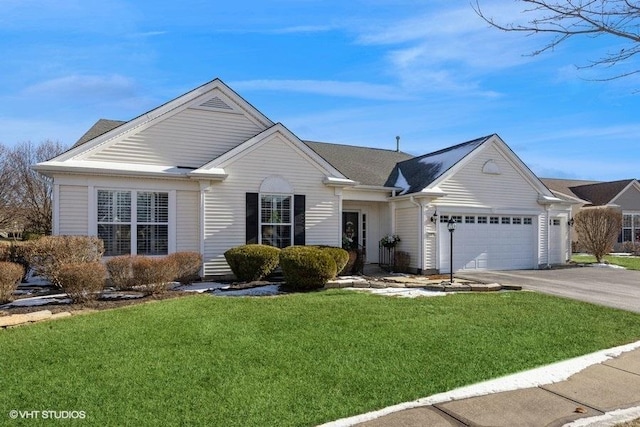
{"points": [[626, 235], [153, 207], [636, 221], [276, 235], [116, 238], [626, 220], [114, 206], [275, 209], [153, 240]]}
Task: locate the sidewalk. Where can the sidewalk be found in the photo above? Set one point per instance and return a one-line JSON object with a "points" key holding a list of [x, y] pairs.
{"points": [[600, 389]]}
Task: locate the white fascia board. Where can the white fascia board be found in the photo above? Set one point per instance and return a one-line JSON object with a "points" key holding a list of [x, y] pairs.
{"points": [[104, 168], [549, 200], [216, 174], [433, 193], [332, 181]]}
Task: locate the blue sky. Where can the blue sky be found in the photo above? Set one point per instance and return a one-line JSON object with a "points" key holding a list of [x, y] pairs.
{"points": [[349, 71]]}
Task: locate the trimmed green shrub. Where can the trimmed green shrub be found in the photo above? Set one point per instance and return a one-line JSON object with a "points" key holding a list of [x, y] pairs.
{"points": [[153, 275], [10, 275], [82, 281], [306, 267], [252, 262], [49, 253], [188, 265], [339, 255], [120, 271]]}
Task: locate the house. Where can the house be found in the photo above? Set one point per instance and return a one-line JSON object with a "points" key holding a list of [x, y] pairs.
{"points": [[623, 194], [207, 171]]}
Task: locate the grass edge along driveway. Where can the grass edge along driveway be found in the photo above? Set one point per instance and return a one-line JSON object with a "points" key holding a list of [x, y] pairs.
{"points": [[294, 360], [628, 262]]}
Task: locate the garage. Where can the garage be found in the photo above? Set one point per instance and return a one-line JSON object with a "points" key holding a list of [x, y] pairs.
{"points": [[488, 242]]}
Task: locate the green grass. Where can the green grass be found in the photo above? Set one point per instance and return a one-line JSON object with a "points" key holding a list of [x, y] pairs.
{"points": [[295, 360], [628, 262]]}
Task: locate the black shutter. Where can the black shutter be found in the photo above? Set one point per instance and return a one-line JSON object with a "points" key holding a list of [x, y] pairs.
{"points": [[298, 219], [252, 218]]}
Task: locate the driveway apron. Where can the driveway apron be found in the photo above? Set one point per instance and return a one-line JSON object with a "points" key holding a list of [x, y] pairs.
{"points": [[611, 287]]}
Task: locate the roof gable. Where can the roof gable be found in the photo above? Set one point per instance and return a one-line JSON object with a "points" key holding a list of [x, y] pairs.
{"points": [[419, 173], [214, 96], [602, 193], [217, 165]]}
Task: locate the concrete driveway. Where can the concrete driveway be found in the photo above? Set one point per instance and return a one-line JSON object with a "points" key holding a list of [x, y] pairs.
{"points": [[605, 286]]}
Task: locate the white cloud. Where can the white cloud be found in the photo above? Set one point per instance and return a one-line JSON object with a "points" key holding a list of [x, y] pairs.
{"points": [[361, 90], [77, 85]]}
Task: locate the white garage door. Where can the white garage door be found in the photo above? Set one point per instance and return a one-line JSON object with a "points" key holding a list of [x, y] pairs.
{"points": [[489, 242]]}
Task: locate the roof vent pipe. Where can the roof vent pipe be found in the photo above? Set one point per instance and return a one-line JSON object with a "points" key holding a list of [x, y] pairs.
{"points": [[397, 143]]}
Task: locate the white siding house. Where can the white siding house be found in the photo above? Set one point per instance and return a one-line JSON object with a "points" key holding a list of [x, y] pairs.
{"points": [[207, 171]]}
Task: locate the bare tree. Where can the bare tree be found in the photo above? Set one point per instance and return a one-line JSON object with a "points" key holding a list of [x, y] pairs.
{"points": [[7, 201], [598, 229], [569, 18], [32, 192]]}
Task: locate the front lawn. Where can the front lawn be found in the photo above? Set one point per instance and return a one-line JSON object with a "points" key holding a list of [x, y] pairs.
{"points": [[295, 360], [628, 262]]}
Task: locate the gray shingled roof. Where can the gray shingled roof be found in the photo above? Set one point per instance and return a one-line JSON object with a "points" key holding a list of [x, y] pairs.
{"points": [[100, 127], [368, 166], [598, 193], [601, 193], [418, 173]]}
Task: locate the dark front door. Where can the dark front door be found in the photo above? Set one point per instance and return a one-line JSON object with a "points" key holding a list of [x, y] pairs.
{"points": [[350, 229]]}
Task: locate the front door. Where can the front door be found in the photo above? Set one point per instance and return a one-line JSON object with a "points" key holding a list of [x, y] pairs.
{"points": [[350, 230]]}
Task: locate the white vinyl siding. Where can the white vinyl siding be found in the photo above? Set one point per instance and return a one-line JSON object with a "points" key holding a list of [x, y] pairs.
{"points": [[471, 188], [191, 138], [187, 221], [73, 203], [406, 229], [225, 223]]}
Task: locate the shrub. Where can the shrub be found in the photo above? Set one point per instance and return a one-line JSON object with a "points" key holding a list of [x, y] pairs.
{"points": [[16, 253], [306, 267], [339, 255], [120, 271], [82, 281], [598, 229], [252, 262], [10, 275], [153, 275], [48, 254], [188, 265]]}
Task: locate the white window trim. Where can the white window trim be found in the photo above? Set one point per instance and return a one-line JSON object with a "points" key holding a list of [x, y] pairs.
{"points": [[172, 220]]}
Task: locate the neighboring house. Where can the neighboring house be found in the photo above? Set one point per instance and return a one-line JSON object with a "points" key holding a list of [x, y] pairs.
{"points": [[623, 195], [207, 171]]}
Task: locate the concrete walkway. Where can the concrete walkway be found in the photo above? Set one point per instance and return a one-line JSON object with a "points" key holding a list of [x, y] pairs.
{"points": [[602, 390]]}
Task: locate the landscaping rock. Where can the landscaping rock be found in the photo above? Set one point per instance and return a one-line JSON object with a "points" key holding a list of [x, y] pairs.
{"points": [[482, 287], [18, 319]]}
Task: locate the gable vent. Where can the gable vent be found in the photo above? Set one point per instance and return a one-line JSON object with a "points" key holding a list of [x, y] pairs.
{"points": [[216, 102]]}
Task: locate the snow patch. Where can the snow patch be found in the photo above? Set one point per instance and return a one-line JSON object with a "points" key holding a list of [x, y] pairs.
{"points": [[401, 182]]}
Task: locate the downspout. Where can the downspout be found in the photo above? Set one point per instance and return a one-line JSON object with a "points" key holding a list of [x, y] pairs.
{"points": [[548, 209], [420, 233], [203, 189]]}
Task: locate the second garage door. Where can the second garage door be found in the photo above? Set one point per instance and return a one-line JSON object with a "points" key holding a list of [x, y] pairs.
{"points": [[488, 242]]}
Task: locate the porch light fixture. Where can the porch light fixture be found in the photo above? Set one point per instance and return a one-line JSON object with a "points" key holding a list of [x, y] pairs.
{"points": [[451, 226], [434, 217], [570, 222]]}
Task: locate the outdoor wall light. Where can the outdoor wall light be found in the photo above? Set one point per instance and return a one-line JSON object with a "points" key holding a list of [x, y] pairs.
{"points": [[570, 222], [434, 217]]}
